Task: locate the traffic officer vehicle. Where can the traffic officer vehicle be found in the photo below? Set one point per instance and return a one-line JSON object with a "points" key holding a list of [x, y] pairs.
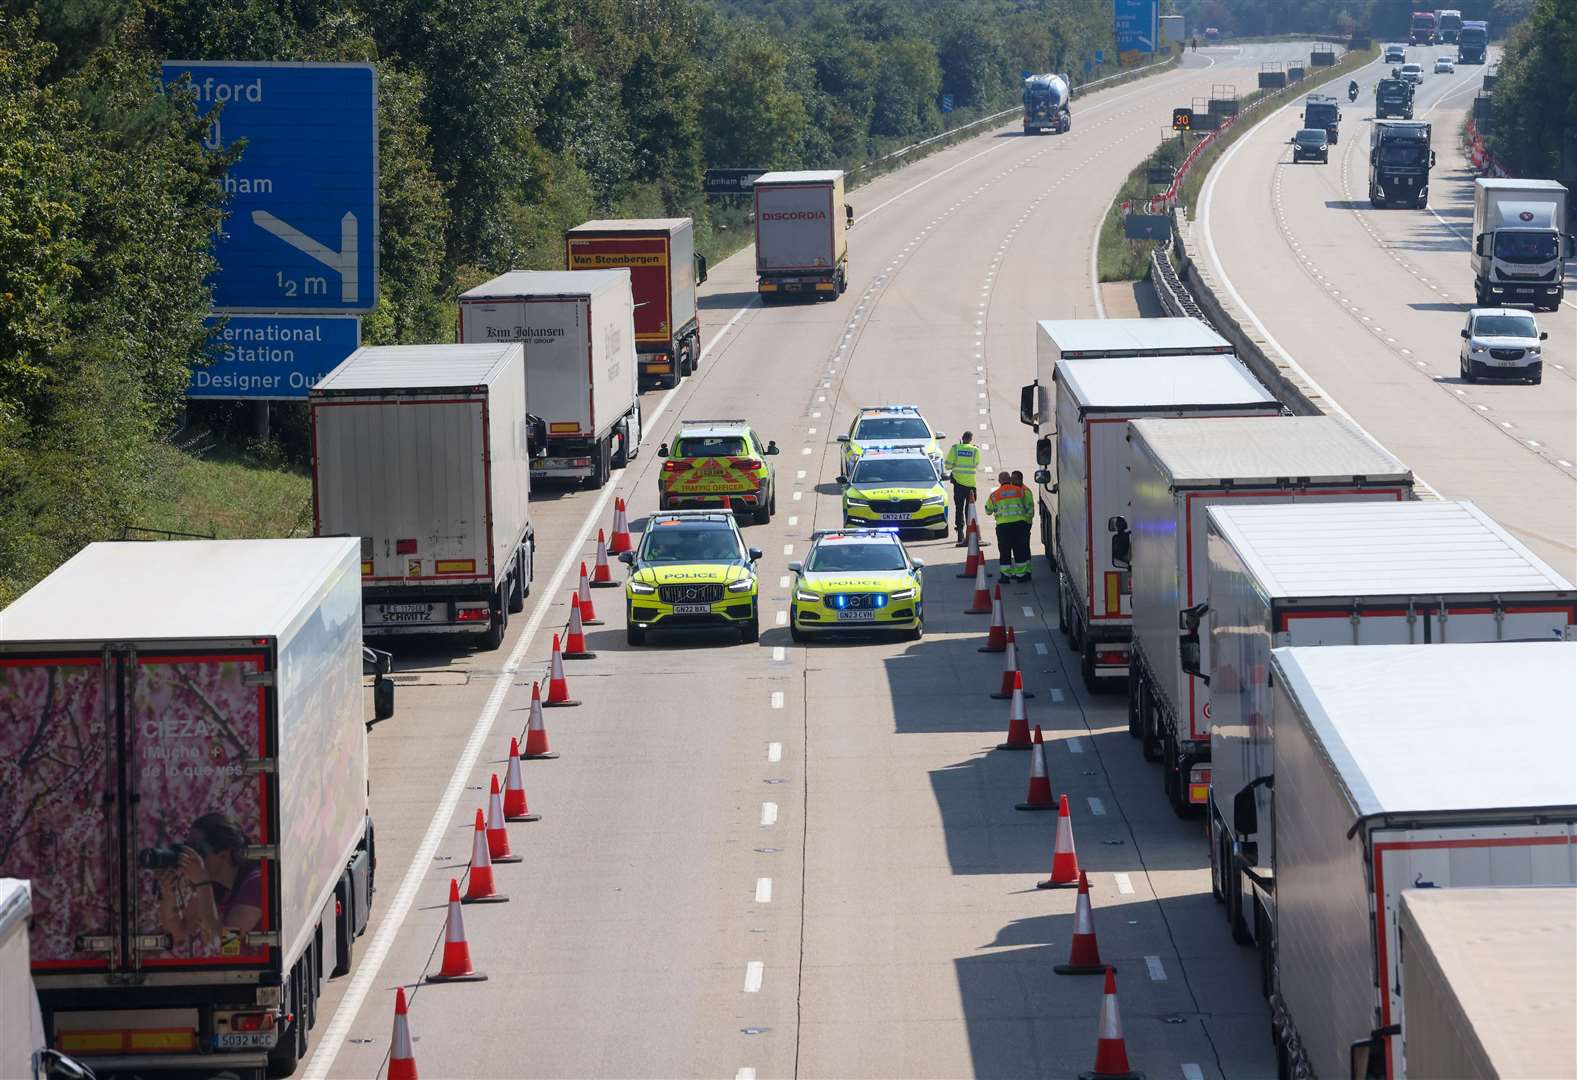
{"points": [[711, 460], [856, 579], [889, 426], [897, 487], [691, 570]]}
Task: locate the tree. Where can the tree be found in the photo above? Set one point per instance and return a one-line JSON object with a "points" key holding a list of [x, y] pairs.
{"points": [[751, 116]]}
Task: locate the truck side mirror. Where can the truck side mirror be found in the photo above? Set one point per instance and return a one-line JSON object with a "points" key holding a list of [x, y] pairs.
{"points": [[700, 269], [1571, 245], [772, 447], [1464, 331], [1479, 246], [1043, 450], [382, 686], [1122, 542], [662, 451], [1245, 811], [1188, 654], [1431, 159], [848, 216], [1544, 335], [1367, 1056], [1043, 476], [1029, 405]]}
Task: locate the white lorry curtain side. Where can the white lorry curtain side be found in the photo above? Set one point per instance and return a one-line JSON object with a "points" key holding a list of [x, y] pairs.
{"points": [[1177, 469], [799, 221], [1490, 982], [1403, 767]]}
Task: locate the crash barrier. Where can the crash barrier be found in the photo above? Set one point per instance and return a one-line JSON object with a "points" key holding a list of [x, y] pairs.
{"points": [[1174, 296]]}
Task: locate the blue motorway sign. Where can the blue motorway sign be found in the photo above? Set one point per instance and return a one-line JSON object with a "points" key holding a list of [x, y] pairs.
{"points": [[302, 230], [947, 102], [273, 357], [1136, 23], [1100, 56]]}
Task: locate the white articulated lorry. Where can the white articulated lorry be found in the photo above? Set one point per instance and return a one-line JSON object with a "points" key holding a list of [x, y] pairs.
{"points": [[1521, 241], [582, 371], [1423, 572], [1178, 468], [1490, 982], [1096, 398], [420, 451], [21, 1023], [187, 791], [802, 246], [1402, 767]]}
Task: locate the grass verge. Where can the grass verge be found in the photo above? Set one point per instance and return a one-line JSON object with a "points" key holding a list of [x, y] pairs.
{"points": [[1120, 259], [228, 493]]}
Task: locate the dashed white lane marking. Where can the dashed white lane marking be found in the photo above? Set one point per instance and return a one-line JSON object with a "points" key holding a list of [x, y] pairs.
{"points": [[793, 520], [800, 475], [1029, 612], [769, 813], [1124, 884], [788, 549], [753, 974], [774, 751], [1041, 650], [745, 1073], [779, 654], [1097, 807], [1075, 746], [1193, 1072], [763, 890], [1563, 462], [783, 582], [777, 699], [1157, 972], [805, 450], [782, 618], [798, 495], [1056, 695]]}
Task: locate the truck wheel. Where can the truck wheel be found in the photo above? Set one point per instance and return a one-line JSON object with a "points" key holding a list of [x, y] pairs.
{"points": [[602, 464], [498, 625], [1135, 691], [1234, 887], [1064, 620], [1087, 668], [1217, 863], [671, 379], [843, 282], [1149, 738], [695, 353], [517, 588]]}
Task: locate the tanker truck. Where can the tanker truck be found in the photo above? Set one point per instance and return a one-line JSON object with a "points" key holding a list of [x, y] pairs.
{"points": [[1046, 104]]}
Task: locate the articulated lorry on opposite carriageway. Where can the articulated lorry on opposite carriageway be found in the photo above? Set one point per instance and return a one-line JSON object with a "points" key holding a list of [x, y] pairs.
{"points": [[186, 737], [421, 453], [1400, 768], [1178, 469]]}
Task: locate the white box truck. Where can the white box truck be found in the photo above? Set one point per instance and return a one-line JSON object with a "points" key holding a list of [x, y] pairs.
{"points": [[664, 272], [21, 1023], [1402, 767], [186, 790], [420, 451], [1490, 982], [1096, 397], [582, 372], [1423, 572], [1178, 468], [802, 246], [1521, 241]]}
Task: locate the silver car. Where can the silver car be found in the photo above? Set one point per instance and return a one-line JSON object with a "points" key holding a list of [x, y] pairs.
{"points": [[1502, 343], [1444, 65]]}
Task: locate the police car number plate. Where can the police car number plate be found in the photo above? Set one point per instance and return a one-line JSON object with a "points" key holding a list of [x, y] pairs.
{"points": [[856, 616], [894, 517], [692, 609]]}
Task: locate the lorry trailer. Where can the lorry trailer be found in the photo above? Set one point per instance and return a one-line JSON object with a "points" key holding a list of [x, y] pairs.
{"points": [[1046, 104], [420, 452], [1399, 162], [802, 246], [1096, 397], [1425, 572], [1489, 981], [197, 835], [1401, 768], [664, 272], [582, 372], [1178, 469], [1521, 241], [1324, 112]]}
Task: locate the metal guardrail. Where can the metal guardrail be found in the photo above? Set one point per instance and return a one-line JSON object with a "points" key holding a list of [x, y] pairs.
{"points": [[1174, 295], [1073, 92]]}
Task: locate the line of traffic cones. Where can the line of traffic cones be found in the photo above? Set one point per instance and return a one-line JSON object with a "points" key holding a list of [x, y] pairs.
{"points": [[997, 634], [1039, 778], [1018, 719], [588, 613], [619, 542], [497, 835], [480, 888], [575, 633], [515, 808], [456, 966], [601, 571], [536, 748], [558, 686], [1064, 857]]}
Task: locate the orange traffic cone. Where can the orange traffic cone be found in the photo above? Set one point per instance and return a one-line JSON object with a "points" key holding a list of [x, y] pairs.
{"points": [[457, 954], [402, 1059], [588, 614], [497, 833], [981, 605], [1039, 780], [602, 572], [619, 543], [1084, 957], [479, 885], [1064, 859], [1111, 1052], [575, 634], [997, 635], [972, 559], [1018, 720], [536, 748], [558, 685], [972, 521], [515, 808], [1010, 669]]}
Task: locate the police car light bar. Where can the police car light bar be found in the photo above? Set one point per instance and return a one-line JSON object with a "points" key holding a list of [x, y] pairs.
{"points": [[711, 423], [889, 409]]}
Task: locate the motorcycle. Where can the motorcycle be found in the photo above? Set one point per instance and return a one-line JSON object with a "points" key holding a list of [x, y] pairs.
{"points": [[1352, 91]]}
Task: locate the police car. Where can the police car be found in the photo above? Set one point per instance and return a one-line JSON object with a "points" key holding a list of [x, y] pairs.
{"points": [[691, 570], [895, 487], [711, 460], [890, 426], [856, 579]]}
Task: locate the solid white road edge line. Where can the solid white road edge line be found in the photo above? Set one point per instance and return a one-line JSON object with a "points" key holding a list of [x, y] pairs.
{"points": [[345, 1013]]}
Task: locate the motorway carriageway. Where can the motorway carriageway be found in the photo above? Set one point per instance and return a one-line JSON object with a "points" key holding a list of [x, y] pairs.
{"points": [[1370, 301], [776, 860]]}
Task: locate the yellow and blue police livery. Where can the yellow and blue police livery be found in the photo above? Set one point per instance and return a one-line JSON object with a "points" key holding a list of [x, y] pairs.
{"points": [[895, 487], [691, 570], [890, 426], [857, 579]]}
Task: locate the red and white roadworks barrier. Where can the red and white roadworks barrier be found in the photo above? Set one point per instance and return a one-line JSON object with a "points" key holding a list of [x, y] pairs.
{"points": [[1483, 161]]}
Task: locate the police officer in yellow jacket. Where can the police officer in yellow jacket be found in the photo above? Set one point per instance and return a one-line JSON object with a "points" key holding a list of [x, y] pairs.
{"points": [[1012, 506], [963, 458]]}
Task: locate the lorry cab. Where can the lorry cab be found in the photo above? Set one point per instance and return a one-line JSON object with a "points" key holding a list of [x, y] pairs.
{"points": [[1324, 112], [1520, 242], [1399, 162], [1393, 98]]}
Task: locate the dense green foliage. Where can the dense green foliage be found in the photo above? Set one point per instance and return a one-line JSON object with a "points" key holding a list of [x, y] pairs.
{"points": [[501, 123], [1535, 127], [1386, 19]]}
